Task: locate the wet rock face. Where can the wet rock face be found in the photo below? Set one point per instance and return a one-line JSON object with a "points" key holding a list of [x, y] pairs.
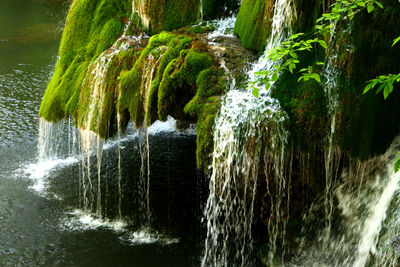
{"points": [[155, 16]]}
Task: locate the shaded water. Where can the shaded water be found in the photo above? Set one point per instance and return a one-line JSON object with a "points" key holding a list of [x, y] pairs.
{"points": [[41, 218]]}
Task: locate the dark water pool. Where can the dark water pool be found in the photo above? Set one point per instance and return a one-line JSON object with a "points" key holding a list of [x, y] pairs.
{"points": [[41, 220]]}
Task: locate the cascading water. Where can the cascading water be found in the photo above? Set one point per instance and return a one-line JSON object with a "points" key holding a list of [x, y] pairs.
{"points": [[364, 198], [144, 181], [51, 136], [247, 129], [332, 155]]}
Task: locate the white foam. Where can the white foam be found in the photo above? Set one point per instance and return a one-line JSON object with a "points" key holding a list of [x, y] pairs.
{"points": [[79, 220], [39, 171], [148, 236], [223, 28], [163, 126]]}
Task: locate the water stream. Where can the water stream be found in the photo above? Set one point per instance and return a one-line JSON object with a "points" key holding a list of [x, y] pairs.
{"points": [[247, 130]]}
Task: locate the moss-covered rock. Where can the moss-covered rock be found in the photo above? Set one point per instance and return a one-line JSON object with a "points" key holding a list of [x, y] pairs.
{"points": [[92, 26], [165, 15], [369, 117], [108, 69], [253, 24], [211, 83]]}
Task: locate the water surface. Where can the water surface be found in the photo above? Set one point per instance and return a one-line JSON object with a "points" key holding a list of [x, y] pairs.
{"points": [[41, 220]]}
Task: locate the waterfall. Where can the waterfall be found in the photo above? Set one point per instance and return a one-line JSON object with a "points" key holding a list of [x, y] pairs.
{"points": [[364, 197], [331, 155], [249, 133], [85, 142], [201, 11], [50, 139], [144, 180], [373, 224], [119, 167]]}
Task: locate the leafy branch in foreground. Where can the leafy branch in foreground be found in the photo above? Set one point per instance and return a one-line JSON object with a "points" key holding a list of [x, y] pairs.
{"points": [[285, 55], [385, 83]]}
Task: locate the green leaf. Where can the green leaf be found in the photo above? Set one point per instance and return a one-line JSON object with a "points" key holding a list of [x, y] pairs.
{"points": [[379, 4], [395, 41], [397, 164], [292, 67], [267, 86], [323, 44], [255, 92], [316, 77], [370, 7], [361, 3], [274, 77], [367, 88], [388, 89]]}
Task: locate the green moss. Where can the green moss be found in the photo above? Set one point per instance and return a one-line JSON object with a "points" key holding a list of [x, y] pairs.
{"points": [[178, 85], [211, 84], [157, 16], [139, 97], [172, 75], [91, 27], [253, 23]]}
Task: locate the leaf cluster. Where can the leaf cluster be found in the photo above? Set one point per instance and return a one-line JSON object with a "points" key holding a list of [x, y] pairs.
{"points": [[284, 56]]}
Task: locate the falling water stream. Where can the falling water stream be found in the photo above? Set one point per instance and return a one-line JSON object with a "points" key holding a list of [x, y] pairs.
{"points": [[69, 198], [364, 196], [244, 128]]}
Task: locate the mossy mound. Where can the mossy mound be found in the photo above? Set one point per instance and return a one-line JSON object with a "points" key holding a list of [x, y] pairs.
{"points": [[92, 26], [163, 79], [165, 15], [253, 24], [108, 70]]}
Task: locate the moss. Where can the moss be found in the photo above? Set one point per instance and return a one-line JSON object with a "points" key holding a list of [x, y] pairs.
{"points": [[138, 95], [179, 79], [173, 74], [211, 84], [157, 16], [91, 27], [305, 103], [253, 23]]}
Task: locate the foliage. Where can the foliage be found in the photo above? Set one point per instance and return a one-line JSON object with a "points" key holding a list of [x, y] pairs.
{"points": [[385, 83], [285, 55]]}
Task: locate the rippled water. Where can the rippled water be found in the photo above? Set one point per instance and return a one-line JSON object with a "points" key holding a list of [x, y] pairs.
{"points": [[40, 220]]}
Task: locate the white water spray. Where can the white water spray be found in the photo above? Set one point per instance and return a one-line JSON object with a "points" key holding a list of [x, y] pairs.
{"points": [[247, 129]]}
